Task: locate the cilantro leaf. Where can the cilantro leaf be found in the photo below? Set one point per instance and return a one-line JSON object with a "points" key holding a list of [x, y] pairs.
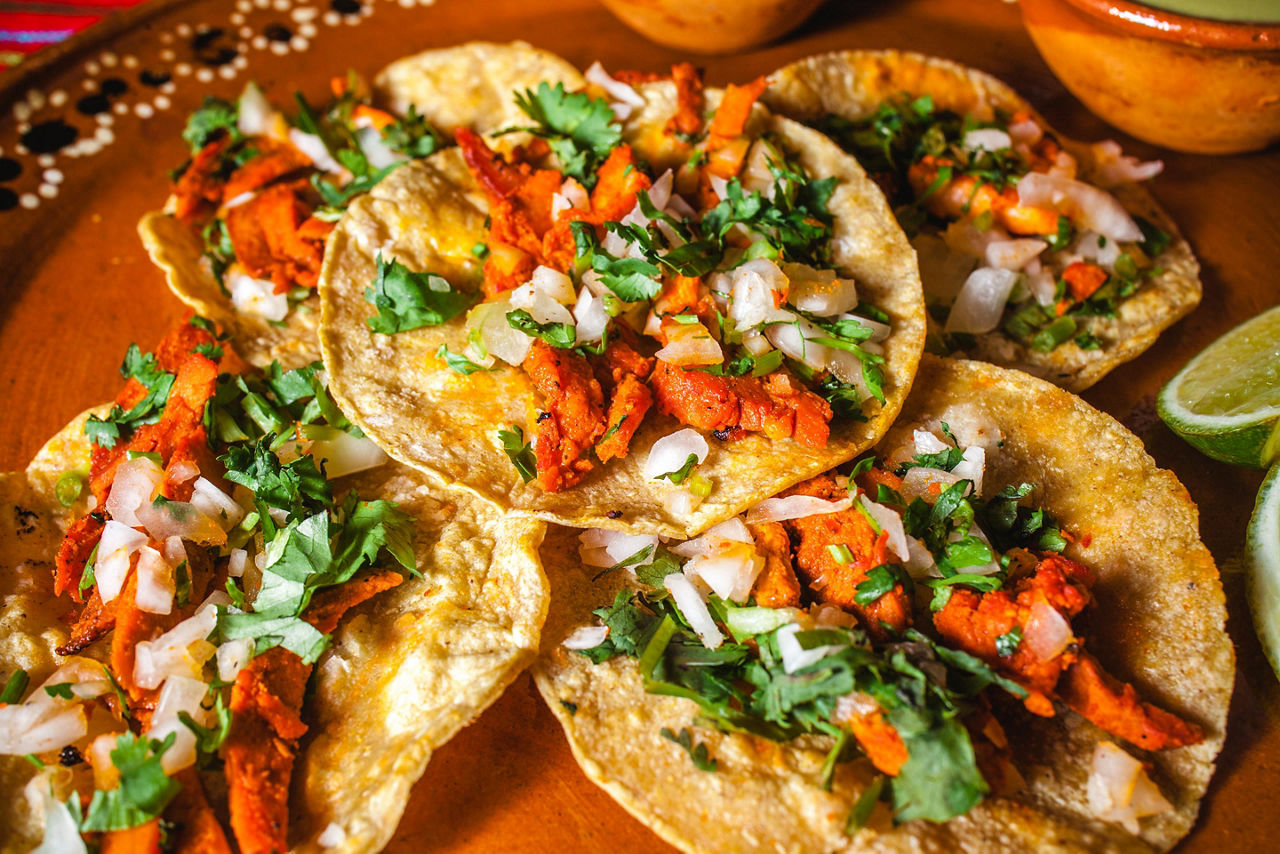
{"points": [[632, 279], [519, 452], [291, 632], [407, 300], [458, 362], [62, 689], [215, 116], [1007, 643], [144, 789], [298, 487], [679, 475], [698, 752], [412, 135], [209, 739], [119, 423], [560, 335], [940, 779], [581, 130]]}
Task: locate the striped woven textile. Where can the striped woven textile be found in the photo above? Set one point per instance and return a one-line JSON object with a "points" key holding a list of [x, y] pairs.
{"points": [[26, 26]]}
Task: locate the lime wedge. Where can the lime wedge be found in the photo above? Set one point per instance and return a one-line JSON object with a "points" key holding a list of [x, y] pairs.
{"points": [[1226, 401], [1263, 544]]}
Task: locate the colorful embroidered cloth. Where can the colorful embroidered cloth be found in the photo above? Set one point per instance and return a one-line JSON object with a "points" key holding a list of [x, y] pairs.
{"points": [[26, 26]]}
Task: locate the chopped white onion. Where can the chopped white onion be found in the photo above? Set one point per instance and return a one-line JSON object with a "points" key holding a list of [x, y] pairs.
{"points": [[333, 836], [732, 528], [590, 317], [919, 562], [617, 90], [499, 338], [679, 502], [586, 637], [690, 344], [256, 297], [1026, 132], [693, 609], [541, 306], [1013, 254], [375, 149], [981, 301], [61, 832], [1113, 167], [819, 292], [971, 467], [918, 482], [213, 502], [181, 519], [795, 507], [232, 656], [254, 113], [964, 237], [753, 287], [601, 547], [136, 482], [794, 335], [671, 452], [155, 582], [796, 657], [314, 147], [181, 651], [889, 520], [235, 562], [572, 195], [731, 574], [854, 705], [554, 284], [1087, 206], [1094, 247], [1046, 632], [339, 454], [1119, 789], [181, 471], [986, 139], [115, 552], [179, 694], [927, 442], [942, 268]]}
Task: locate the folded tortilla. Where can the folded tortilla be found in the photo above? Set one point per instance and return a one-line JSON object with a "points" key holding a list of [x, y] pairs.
{"points": [[1159, 623], [465, 85], [407, 669], [428, 216], [853, 84]]}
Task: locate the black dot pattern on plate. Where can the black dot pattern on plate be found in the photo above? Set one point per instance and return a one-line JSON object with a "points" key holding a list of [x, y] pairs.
{"points": [[114, 87], [147, 77], [48, 137], [345, 7], [277, 32], [9, 169], [8, 199], [91, 105], [207, 49]]}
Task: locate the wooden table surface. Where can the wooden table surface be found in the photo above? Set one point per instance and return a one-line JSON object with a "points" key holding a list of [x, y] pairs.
{"points": [[76, 288]]}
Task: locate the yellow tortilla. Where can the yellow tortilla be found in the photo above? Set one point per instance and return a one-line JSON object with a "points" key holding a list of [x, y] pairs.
{"points": [[407, 669], [428, 216], [450, 87], [1159, 623], [853, 84]]}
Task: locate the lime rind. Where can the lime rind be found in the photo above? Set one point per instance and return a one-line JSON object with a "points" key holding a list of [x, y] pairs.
{"points": [[1263, 544]]}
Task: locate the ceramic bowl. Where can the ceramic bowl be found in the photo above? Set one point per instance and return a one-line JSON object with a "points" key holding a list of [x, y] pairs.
{"points": [[1190, 84], [712, 26]]}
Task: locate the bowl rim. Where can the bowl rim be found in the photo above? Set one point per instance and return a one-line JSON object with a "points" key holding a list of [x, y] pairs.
{"points": [[1139, 19]]}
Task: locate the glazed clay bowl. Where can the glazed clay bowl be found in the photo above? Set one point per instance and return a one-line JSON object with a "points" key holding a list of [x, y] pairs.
{"points": [[712, 26], [1186, 83]]}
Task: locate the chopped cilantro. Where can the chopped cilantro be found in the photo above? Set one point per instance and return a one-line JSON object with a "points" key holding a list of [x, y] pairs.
{"points": [[407, 300], [120, 423], [209, 739], [519, 452], [457, 361], [61, 690], [698, 752], [412, 136], [214, 117], [144, 789], [679, 475], [559, 335], [581, 130], [1007, 643]]}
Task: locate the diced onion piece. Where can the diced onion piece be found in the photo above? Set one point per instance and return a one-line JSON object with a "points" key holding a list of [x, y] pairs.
{"points": [[1094, 247], [919, 482], [693, 609], [180, 471], [586, 637], [928, 443], [181, 519], [179, 694], [375, 149], [254, 113], [986, 139], [755, 343], [232, 656], [981, 301], [671, 452], [235, 563], [181, 651], [256, 297], [155, 582], [45, 722], [572, 195], [1013, 254], [213, 502], [919, 562], [1046, 632], [689, 344], [499, 338], [541, 306], [971, 467], [617, 90], [1119, 789], [679, 502], [590, 317], [1087, 206], [61, 832], [964, 237], [833, 615], [796, 657], [333, 836], [819, 292], [136, 482], [794, 507], [794, 336], [1112, 166], [660, 191], [553, 283], [1026, 132], [731, 529], [1043, 287], [756, 287], [942, 268], [115, 551], [730, 574], [339, 454], [613, 547], [888, 520], [314, 147]]}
